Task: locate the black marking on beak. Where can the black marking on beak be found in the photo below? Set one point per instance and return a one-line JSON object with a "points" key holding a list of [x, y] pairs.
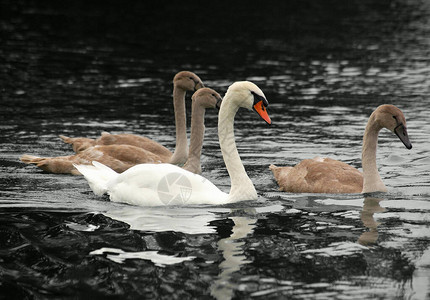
{"points": [[198, 85], [259, 106], [258, 98], [218, 103], [402, 133]]}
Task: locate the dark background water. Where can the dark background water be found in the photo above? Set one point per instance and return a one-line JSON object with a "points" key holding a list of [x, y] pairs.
{"points": [[81, 67]]}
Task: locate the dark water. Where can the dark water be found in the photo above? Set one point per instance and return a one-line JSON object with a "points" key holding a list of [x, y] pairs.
{"points": [[79, 68]]}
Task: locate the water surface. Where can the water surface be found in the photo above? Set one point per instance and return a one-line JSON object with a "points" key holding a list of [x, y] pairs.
{"points": [[78, 68]]}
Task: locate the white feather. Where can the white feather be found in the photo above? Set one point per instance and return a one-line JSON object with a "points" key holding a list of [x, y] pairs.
{"points": [[98, 176]]}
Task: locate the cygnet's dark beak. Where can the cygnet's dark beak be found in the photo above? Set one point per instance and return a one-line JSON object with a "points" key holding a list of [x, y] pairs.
{"points": [[198, 85], [402, 133], [218, 103]]}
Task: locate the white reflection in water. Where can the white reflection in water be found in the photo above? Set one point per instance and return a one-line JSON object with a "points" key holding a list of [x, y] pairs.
{"points": [[159, 219], [127, 83], [404, 204], [188, 220], [161, 260], [234, 258], [337, 249], [419, 287], [192, 220]]}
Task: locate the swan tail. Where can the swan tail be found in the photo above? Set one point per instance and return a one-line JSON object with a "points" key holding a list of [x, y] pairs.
{"points": [[278, 170], [31, 159], [79, 144], [272, 167], [57, 165], [66, 139], [275, 170], [98, 176]]}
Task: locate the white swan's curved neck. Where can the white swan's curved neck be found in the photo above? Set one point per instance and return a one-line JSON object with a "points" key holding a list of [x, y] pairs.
{"points": [[241, 186], [181, 152], [372, 180]]}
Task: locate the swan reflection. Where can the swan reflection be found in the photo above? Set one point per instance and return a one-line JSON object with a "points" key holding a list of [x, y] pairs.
{"points": [[370, 207], [160, 219], [234, 258], [197, 220]]}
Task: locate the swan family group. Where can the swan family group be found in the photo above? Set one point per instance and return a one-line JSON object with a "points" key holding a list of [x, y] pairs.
{"points": [[137, 170]]}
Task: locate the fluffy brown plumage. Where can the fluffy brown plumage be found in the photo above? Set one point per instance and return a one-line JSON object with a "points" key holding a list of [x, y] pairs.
{"points": [[325, 175], [117, 157], [319, 175], [182, 82], [121, 156], [80, 144]]}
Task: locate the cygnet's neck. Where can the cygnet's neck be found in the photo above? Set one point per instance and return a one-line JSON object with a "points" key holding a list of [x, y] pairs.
{"points": [[242, 187], [372, 180], [180, 155], [196, 138]]}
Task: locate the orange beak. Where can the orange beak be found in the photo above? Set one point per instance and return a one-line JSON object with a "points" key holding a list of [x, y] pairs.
{"points": [[262, 111]]}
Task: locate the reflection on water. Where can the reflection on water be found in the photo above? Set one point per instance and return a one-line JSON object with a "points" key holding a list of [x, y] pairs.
{"points": [[420, 281], [159, 219], [232, 252], [119, 256], [370, 207], [82, 68]]}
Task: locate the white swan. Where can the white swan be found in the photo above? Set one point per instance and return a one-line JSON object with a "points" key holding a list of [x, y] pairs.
{"points": [[165, 184]]}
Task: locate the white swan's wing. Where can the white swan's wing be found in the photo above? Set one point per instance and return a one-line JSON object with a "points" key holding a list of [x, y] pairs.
{"points": [[98, 176], [163, 184]]}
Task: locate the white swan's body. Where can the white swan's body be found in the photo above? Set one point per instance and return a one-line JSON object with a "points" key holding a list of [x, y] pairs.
{"points": [[153, 185], [164, 184]]}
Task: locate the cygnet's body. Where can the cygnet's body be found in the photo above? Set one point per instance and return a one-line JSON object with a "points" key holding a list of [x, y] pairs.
{"points": [[325, 175]]}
